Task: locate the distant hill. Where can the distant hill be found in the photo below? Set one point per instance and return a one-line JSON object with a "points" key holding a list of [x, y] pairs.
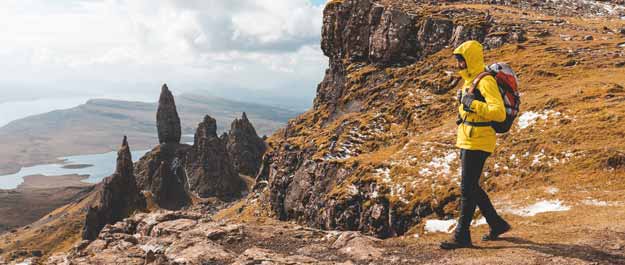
{"points": [[97, 126]]}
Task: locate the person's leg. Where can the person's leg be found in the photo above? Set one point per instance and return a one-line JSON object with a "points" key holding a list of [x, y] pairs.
{"points": [[472, 163], [487, 209], [497, 224]]}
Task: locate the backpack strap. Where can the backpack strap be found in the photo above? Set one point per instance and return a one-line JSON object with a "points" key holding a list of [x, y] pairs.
{"points": [[477, 80], [478, 124]]}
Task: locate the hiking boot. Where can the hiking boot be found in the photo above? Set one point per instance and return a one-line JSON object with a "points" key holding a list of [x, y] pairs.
{"points": [[497, 231], [455, 244]]}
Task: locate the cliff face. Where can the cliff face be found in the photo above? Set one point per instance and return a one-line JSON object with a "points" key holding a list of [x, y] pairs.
{"points": [[118, 194]]}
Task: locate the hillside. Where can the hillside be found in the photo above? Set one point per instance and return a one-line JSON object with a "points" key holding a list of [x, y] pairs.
{"points": [[377, 154], [94, 127], [369, 175]]}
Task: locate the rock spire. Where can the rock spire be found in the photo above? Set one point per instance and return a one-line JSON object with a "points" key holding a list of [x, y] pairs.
{"points": [[167, 120]]}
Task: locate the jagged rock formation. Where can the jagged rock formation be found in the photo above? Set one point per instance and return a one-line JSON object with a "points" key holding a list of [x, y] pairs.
{"points": [[174, 172], [119, 196], [167, 120], [161, 172], [245, 148], [210, 171]]}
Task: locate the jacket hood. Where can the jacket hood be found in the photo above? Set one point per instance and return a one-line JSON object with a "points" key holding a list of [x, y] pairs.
{"points": [[473, 54]]}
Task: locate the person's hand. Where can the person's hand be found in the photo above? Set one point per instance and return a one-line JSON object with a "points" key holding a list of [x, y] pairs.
{"points": [[459, 120], [466, 101]]}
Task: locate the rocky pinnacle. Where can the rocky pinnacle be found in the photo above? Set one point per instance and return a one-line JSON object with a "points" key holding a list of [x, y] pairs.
{"points": [[124, 160], [118, 196], [244, 146], [167, 120]]}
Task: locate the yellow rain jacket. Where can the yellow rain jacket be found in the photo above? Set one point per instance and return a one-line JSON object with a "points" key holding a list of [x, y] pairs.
{"points": [[473, 137]]}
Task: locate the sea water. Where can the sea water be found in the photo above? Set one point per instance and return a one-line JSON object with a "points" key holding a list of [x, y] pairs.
{"points": [[100, 166]]}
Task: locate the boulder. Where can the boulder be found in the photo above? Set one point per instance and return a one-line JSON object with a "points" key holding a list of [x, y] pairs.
{"points": [[357, 246], [167, 120], [244, 147], [197, 251]]}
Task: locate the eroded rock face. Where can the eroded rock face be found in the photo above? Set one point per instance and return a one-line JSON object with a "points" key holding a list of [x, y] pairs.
{"points": [[364, 31], [209, 168], [161, 172], [119, 196], [245, 148], [167, 120]]}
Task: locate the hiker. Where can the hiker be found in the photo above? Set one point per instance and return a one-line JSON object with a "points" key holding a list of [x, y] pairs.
{"points": [[476, 140]]}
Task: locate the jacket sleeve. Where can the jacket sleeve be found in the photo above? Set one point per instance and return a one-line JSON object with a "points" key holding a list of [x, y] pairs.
{"points": [[493, 109]]}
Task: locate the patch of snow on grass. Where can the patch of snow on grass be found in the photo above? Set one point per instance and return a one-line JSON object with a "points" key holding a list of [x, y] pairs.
{"points": [[440, 165], [595, 202], [538, 157], [25, 262], [384, 173], [530, 117], [440, 226], [541, 207], [553, 190]]}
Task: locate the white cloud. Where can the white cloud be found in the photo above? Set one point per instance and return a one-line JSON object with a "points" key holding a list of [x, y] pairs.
{"points": [[87, 45]]}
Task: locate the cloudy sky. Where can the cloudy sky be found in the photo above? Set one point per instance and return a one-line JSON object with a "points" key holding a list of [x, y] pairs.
{"points": [[77, 49]]}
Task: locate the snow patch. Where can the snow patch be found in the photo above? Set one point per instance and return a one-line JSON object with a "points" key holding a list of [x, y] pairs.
{"points": [[553, 190], [530, 117], [595, 202], [541, 207], [384, 173], [440, 226], [25, 262], [440, 165]]}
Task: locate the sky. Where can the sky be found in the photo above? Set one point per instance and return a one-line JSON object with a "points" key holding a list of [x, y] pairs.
{"points": [[125, 49]]}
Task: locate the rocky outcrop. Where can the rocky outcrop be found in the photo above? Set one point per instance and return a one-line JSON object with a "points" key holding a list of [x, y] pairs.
{"points": [[172, 173], [161, 172], [118, 194], [209, 169], [167, 120], [192, 237], [362, 30], [245, 148]]}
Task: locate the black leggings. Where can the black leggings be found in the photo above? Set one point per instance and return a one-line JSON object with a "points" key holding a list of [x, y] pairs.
{"points": [[472, 194]]}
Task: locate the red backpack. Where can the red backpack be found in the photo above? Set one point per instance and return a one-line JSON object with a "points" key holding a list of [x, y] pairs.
{"points": [[507, 82]]}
